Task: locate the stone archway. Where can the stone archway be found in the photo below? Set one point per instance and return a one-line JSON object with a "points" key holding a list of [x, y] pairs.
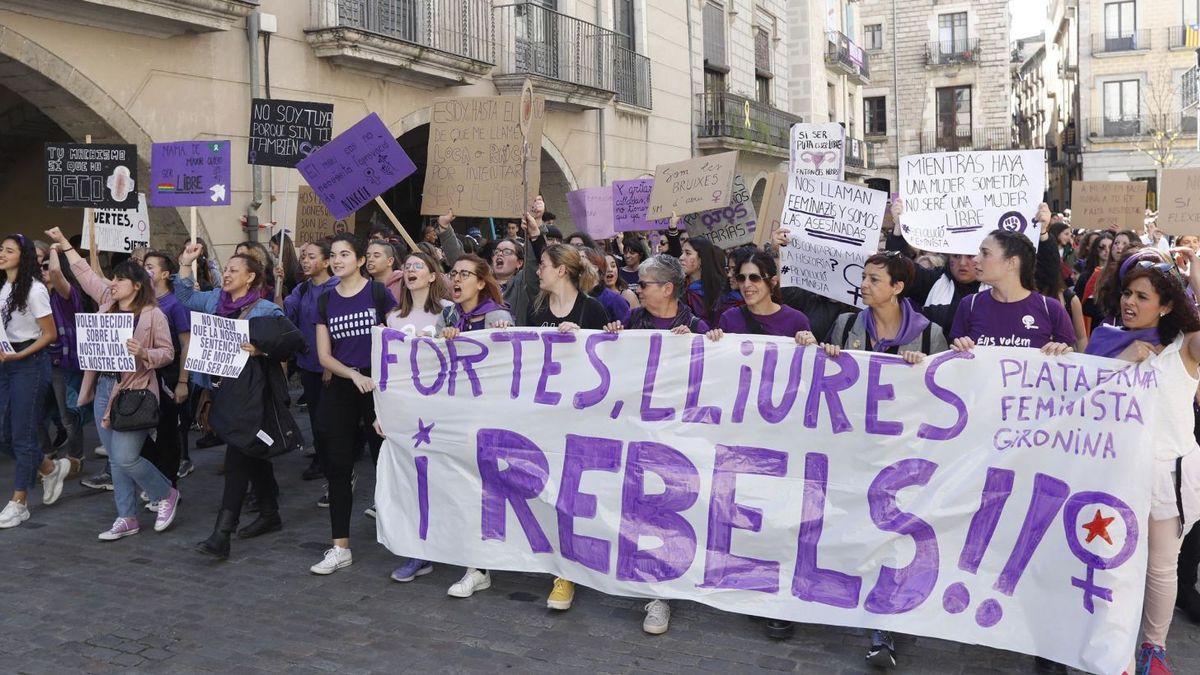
{"points": [[79, 107]]}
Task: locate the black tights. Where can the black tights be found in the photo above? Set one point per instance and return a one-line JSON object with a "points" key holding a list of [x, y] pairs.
{"points": [[242, 470], [344, 410]]}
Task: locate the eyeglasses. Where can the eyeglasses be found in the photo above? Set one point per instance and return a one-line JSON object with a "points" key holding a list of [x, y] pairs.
{"points": [[414, 266], [45, 267], [505, 252], [652, 283], [752, 278], [456, 274], [890, 254]]}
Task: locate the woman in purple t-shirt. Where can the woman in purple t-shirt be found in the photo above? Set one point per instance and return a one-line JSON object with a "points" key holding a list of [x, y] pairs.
{"points": [[1010, 313], [345, 315], [757, 277]]}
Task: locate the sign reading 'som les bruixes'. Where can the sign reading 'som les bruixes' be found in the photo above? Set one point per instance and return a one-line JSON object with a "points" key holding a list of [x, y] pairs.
{"points": [[761, 477]]}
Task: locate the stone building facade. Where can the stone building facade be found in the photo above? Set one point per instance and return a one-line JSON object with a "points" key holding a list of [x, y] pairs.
{"points": [[954, 87], [1132, 60]]}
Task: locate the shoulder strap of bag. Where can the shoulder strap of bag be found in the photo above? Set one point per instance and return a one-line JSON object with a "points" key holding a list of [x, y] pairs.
{"points": [[249, 308], [847, 327], [752, 323], [927, 338], [379, 295]]}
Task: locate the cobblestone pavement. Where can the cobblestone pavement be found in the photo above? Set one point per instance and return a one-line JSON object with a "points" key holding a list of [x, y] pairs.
{"points": [[149, 603]]}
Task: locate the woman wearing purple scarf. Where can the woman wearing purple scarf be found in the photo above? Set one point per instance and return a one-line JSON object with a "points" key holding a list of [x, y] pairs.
{"points": [[478, 301], [1162, 333]]}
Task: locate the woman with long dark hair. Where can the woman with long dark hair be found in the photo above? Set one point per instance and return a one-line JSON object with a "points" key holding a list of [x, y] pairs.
{"points": [[132, 291], [66, 300], [24, 373], [708, 293], [346, 314], [757, 277], [1161, 330]]}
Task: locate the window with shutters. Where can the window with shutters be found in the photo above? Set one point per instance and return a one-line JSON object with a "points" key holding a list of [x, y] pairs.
{"points": [[714, 36], [762, 50]]}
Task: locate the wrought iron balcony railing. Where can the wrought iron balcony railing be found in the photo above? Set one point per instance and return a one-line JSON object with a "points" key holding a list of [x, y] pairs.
{"points": [[962, 51], [843, 52], [1123, 41], [726, 115]]}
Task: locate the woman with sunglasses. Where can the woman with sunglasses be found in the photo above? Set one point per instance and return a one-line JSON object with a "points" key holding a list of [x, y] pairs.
{"points": [[1162, 331], [346, 314], [757, 278], [1010, 313], [478, 305]]}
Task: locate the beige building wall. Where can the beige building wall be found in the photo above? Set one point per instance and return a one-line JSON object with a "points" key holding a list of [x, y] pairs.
{"points": [[1155, 56], [131, 79]]}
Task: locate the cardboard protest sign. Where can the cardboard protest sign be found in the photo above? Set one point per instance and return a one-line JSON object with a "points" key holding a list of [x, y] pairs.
{"points": [[362, 163], [1102, 205], [98, 176], [100, 342], [952, 200], [631, 200], [592, 211], [731, 226], [216, 345], [693, 185], [771, 207], [119, 230], [1179, 204], [475, 157], [284, 132], [834, 227], [761, 477], [818, 150], [190, 173], [313, 221]]}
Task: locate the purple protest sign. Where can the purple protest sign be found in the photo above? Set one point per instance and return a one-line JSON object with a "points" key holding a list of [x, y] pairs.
{"points": [[360, 164], [592, 211], [631, 199], [190, 173]]}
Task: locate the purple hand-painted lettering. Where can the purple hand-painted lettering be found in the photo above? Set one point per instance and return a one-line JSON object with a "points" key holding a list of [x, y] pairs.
{"points": [[422, 465], [523, 480], [466, 362], [586, 399], [903, 589], [413, 362], [944, 433], [550, 367], [829, 386], [723, 569], [771, 413], [878, 391], [1049, 493], [656, 515], [649, 412], [997, 488], [583, 453], [693, 412], [810, 582], [516, 337], [387, 357]]}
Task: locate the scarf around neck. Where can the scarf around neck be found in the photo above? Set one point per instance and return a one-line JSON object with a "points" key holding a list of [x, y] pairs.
{"points": [[1108, 340], [230, 308], [912, 324], [465, 319]]}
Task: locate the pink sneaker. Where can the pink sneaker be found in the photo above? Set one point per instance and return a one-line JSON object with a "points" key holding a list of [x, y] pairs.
{"points": [[166, 511], [121, 528]]}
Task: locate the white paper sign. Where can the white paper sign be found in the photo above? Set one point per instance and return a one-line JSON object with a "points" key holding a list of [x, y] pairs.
{"points": [[100, 342], [216, 345], [953, 200], [5, 344], [818, 150], [761, 477], [834, 228], [120, 230], [728, 227]]}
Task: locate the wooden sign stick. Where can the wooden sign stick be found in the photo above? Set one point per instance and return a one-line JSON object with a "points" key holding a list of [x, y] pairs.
{"points": [[192, 231], [412, 245]]}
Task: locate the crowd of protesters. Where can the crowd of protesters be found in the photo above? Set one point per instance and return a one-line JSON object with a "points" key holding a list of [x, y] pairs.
{"points": [[1123, 294]]}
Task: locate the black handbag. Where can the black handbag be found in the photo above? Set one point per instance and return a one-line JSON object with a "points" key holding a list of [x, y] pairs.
{"points": [[134, 410]]}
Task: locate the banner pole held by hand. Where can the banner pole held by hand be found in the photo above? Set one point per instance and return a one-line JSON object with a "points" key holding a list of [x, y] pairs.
{"points": [[192, 230], [412, 245]]}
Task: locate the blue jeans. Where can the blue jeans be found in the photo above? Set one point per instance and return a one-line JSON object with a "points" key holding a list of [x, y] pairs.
{"points": [[23, 386], [129, 469]]}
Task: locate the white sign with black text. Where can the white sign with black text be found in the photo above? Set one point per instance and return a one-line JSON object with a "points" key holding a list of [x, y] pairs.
{"points": [[216, 346], [100, 342]]}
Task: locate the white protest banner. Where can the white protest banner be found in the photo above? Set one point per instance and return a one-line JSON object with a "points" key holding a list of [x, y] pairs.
{"points": [[731, 226], [761, 477], [216, 346], [5, 344], [100, 342], [952, 200], [834, 229], [818, 150], [120, 230]]}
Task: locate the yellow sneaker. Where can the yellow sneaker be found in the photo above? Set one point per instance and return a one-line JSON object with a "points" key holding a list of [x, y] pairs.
{"points": [[562, 595]]}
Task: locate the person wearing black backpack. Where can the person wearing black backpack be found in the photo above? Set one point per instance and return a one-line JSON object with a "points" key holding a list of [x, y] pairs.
{"points": [[757, 278], [345, 315]]}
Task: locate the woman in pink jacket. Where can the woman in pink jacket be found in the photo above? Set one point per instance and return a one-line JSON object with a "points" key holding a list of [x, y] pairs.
{"points": [[130, 291]]}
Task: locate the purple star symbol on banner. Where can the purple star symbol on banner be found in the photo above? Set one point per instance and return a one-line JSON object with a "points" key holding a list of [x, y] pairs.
{"points": [[422, 435]]}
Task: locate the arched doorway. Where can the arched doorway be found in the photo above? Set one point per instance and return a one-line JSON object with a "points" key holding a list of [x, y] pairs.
{"points": [[39, 104]]}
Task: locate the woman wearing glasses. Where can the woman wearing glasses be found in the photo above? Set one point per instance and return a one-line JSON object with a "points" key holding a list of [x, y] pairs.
{"points": [[757, 277], [1161, 331], [478, 305]]}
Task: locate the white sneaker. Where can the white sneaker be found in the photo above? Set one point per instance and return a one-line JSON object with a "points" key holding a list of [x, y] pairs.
{"points": [[14, 514], [335, 559], [472, 581], [99, 451], [658, 616], [52, 483]]}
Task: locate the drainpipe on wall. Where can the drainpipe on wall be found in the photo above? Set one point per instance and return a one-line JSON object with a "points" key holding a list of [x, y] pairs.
{"points": [[895, 97], [691, 79], [600, 123], [255, 170]]}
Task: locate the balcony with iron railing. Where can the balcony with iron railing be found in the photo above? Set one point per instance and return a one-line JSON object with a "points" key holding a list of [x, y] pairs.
{"points": [[857, 154], [1188, 88], [844, 54], [953, 140], [1121, 42], [1183, 37], [573, 63], [732, 122], [1101, 129], [427, 42], [155, 18], [957, 52]]}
